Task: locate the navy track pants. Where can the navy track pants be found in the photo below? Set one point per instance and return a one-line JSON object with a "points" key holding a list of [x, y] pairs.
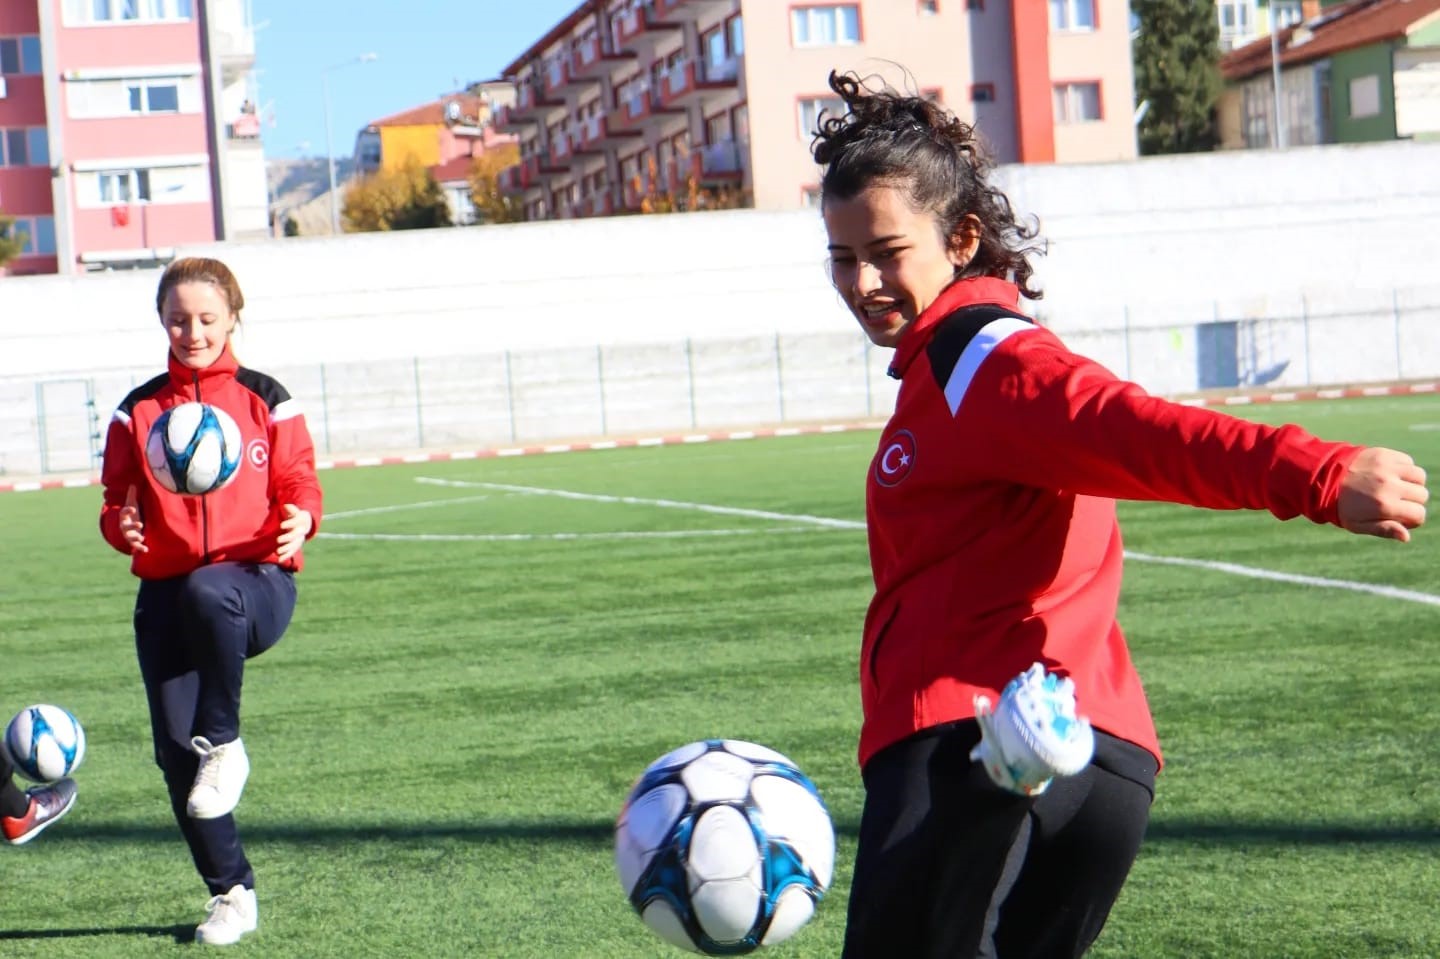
{"points": [[193, 634]]}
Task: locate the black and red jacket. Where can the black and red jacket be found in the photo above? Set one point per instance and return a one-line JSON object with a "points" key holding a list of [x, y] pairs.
{"points": [[991, 512], [240, 522]]}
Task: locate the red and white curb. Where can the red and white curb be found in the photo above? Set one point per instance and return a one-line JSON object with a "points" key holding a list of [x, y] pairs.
{"points": [[679, 439]]}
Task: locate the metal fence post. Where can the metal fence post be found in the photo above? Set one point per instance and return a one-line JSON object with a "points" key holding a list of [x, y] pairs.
{"points": [[419, 405], [1305, 334], [779, 378], [510, 395], [1395, 314], [690, 378], [600, 384], [325, 407]]}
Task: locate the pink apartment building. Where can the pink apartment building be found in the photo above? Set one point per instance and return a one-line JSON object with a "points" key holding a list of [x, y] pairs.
{"points": [[625, 98], [127, 127]]}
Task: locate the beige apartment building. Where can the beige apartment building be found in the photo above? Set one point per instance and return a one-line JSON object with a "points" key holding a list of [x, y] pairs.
{"points": [[627, 104]]}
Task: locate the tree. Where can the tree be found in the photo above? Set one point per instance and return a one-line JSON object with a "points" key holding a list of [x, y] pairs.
{"points": [[403, 199], [12, 241], [1177, 74], [492, 205], [694, 198]]}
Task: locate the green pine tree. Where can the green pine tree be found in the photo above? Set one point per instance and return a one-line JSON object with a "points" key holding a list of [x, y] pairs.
{"points": [[1177, 73], [12, 240]]}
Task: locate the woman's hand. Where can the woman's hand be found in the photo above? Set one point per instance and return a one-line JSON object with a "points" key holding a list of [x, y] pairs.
{"points": [[131, 526], [1383, 494], [293, 529]]}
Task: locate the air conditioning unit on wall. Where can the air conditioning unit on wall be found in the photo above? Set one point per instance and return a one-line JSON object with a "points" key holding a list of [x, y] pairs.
{"points": [[2, 88]]}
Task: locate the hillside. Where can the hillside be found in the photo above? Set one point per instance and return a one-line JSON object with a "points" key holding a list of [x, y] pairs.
{"points": [[299, 188]]}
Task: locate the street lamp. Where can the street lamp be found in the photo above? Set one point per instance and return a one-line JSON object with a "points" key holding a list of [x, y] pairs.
{"points": [[329, 142]]}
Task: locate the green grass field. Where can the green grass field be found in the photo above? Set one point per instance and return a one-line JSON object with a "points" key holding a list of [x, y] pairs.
{"points": [[479, 667]]}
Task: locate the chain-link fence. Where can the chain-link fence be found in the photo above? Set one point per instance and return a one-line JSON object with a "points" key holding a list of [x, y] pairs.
{"points": [[536, 396]]}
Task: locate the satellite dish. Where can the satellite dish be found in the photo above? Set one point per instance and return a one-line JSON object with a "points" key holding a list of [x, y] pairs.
{"points": [[452, 111]]}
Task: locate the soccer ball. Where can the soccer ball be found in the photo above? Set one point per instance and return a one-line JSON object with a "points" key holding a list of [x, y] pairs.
{"points": [[194, 448], [44, 743], [724, 846]]}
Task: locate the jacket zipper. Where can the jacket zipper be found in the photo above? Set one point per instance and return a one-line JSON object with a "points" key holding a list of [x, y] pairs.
{"points": [[204, 503]]}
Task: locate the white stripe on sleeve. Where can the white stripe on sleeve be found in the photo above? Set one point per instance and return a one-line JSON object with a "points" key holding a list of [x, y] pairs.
{"points": [[991, 335]]}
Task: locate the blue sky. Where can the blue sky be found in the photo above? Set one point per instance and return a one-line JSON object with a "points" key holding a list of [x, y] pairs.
{"points": [[423, 48]]}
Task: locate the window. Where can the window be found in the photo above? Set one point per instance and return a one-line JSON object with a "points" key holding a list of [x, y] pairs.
{"points": [[829, 26], [124, 186], [1365, 97], [737, 36], [24, 146], [153, 97], [928, 8], [37, 235], [1077, 102], [977, 5], [1235, 18], [1072, 15], [123, 11], [811, 109], [982, 93], [20, 55], [1285, 13]]}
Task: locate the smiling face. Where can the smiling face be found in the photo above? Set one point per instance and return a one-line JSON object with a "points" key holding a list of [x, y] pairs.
{"points": [[890, 261], [198, 319]]}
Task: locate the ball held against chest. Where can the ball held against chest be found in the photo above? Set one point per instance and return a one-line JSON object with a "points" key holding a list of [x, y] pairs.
{"points": [[194, 449]]}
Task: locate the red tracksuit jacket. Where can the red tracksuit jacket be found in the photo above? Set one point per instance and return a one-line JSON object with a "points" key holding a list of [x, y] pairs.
{"points": [[991, 513], [240, 522]]}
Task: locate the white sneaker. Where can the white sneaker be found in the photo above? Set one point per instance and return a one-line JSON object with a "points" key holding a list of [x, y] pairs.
{"points": [[219, 780], [229, 917]]}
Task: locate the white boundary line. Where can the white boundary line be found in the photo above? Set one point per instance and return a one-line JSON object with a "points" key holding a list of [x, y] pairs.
{"points": [[537, 537], [1252, 572], [1233, 569]]}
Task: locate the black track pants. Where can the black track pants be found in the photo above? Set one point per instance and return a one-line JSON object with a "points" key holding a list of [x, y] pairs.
{"points": [[950, 866]]}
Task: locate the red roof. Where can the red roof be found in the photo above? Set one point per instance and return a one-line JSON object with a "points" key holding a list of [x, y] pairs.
{"points": [[453, 170], [561, 29], [1346, 26], [431, 114]]}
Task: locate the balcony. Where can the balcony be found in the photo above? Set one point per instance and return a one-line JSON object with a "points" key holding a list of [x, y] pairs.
{"points": [[719, 164], [639, 112], [516, 179], [556, 78], [505, 120], [561, 152], [592, 60], [640, 24], [632, 195], [596, 133], [687, 82], [600, 203], [673, 11], [534, 103]]}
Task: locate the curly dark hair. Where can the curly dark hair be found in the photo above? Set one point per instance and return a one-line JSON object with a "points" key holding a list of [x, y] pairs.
{"points": [[912, 143]]}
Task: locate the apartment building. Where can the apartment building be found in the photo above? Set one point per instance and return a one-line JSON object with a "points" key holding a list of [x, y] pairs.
{"points": [[127, 127], [686, 102]]}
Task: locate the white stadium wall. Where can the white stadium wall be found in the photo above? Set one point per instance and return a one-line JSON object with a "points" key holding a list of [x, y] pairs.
{"points": [[1308, 266]]}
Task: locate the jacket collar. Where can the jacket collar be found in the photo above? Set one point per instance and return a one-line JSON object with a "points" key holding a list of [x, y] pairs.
{"points": [[971, 291], [181, 375]]}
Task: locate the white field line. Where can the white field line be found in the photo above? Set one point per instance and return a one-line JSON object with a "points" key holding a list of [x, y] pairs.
{"points": [[641, 501], [1233, 569], [401, 507], [536, 537]]}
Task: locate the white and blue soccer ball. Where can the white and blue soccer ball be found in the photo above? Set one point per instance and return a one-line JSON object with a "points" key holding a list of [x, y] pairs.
{"points": [[194, 449], [44, 743], [724, 846]]}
